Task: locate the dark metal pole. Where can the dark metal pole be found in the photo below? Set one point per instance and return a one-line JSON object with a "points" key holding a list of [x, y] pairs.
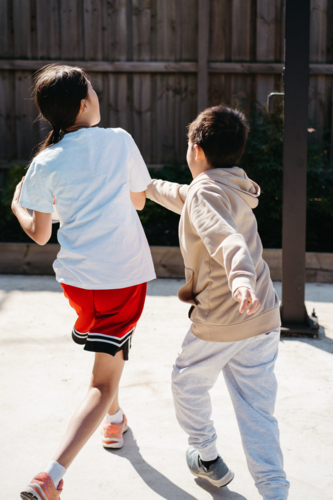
{"points": [[295, 164]]}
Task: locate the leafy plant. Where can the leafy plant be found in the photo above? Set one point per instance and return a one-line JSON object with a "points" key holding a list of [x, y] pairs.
{"points": [[263, 162]]}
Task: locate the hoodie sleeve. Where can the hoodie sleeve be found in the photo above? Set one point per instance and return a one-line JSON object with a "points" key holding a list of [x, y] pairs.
{"points": [[168, 194], [210, 215]]}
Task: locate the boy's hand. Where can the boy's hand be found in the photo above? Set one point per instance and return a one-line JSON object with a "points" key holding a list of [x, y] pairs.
{"points": [[248, 300], [17, 194]]}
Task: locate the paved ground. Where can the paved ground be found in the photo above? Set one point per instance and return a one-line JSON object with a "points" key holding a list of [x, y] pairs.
{"points": [[44, 376]]}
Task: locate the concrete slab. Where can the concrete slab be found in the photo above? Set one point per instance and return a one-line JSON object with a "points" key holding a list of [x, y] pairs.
{"points": [[44, 376]]}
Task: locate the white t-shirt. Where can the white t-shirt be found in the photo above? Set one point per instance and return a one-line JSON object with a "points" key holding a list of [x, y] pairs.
{"points": [[90, 173]]}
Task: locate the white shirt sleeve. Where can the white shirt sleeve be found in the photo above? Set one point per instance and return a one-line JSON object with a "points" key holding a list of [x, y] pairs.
{"points": [[36, 190], [139, 177]]}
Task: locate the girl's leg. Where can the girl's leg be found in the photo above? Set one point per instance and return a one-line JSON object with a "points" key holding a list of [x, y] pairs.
{"points": [[102, 390], [114, 407]]}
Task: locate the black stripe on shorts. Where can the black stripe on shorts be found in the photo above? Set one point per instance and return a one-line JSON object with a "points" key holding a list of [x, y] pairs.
{"points": [[97, 342]]}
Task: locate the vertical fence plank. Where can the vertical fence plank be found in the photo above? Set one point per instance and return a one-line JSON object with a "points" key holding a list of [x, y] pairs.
{"points": [[241, 85], [27, 130], [22, 29], [8, 145], [319, 91], [33, 29], [142, 114], [114, 30], [48, 29], [92, 39], [6, 29], [165, 30], [266, 46], [220, 43], [203, 52], [141, 30], [220, 49], [241, 30], [71, 33]]}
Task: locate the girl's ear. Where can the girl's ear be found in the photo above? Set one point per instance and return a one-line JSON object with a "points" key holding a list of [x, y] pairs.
{"points": [[83, 106]]}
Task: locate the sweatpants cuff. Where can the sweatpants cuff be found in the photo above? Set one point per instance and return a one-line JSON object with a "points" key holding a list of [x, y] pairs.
{"points": [[275, 494], [209, 453]]}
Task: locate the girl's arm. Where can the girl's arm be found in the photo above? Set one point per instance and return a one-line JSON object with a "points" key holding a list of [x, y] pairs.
{"points": [[138, 199], [39, 226]]}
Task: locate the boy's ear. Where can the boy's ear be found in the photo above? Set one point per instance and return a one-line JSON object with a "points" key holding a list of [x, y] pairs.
{"points": [[199, 154]]}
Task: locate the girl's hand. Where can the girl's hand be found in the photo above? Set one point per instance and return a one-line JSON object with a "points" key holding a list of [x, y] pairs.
{"points": [[248, 300], [17, 194]]}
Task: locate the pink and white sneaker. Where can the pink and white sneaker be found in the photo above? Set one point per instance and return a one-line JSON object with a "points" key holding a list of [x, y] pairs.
{"points": [[42, 488], [112, 434]]}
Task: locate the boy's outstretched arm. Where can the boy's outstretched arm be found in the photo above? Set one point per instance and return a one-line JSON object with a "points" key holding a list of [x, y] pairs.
{"points": [[212, 219], [168, 194]]}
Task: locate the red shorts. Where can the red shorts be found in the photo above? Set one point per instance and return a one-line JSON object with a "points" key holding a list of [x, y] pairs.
{"points": [[107, 318]]}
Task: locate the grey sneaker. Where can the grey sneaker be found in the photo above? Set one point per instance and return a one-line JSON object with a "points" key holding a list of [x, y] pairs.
{"points": [[218, 474]]}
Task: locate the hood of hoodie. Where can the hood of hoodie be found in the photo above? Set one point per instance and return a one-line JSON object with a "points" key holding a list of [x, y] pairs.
{"points": [[235, 179]]}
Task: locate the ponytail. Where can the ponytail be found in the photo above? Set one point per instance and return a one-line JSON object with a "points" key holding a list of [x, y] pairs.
{"points": [[52, 138], [58, 92]]}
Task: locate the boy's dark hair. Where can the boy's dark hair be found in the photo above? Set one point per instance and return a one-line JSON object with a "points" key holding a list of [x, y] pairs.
{"points": [[221, 132]]}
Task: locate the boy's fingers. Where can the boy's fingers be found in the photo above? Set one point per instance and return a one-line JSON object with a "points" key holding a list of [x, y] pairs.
{"points": [[255, 304], [248, 300], [244, 295]]}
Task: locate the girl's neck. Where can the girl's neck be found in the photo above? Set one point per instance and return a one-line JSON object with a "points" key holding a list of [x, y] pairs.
{"points": [[77, 126]]}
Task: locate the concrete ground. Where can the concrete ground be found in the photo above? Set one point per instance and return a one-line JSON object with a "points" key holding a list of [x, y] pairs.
{"points": [[44, 376]]}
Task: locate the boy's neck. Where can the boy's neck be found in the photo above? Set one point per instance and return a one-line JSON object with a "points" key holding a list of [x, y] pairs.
{"points": [[198, 169]]}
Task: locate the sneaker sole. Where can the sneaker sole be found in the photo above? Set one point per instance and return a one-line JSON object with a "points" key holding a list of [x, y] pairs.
{"points": [[30, 494], [116, 444], [224, 481]]}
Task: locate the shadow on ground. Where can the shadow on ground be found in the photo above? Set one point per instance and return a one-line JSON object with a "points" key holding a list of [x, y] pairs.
{"points": [[159, 483], [322, 342], [219, 493]]}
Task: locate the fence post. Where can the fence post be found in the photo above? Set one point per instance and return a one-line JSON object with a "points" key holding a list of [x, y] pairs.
{"points": [[203, 53]]}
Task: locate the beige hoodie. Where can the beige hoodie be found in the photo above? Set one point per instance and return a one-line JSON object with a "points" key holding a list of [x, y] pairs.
{"points": [[222, 251]]}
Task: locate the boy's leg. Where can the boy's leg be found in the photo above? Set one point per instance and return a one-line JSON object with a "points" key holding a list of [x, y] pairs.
{"points": [[252, 386], [103, 387], [195, 372]]}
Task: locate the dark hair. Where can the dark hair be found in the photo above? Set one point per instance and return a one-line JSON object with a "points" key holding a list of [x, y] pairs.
{"points": [[58, 91], [221, 132]]}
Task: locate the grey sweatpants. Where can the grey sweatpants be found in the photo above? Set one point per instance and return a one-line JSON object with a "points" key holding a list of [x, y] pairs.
{"points": [[248, 369]]}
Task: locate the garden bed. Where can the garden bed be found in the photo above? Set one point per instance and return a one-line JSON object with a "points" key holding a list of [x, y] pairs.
{"points": [[28, 258]]}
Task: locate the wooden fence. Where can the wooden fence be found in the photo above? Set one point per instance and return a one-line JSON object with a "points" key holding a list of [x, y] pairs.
{"points": [[154, 63]]}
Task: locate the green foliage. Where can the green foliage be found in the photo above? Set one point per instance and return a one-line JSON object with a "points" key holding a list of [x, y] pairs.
{"points": [[263, 162], [10, 230]]}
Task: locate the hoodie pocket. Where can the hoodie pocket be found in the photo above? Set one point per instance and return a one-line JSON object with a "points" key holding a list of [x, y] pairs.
{"points": [[185, 293]]}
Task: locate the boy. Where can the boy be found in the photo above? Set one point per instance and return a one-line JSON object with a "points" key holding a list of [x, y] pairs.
{"points": [[222, 253]]}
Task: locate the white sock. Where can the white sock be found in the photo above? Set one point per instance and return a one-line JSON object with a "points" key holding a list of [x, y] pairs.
{"points": [[56, 472], [117, 418]]}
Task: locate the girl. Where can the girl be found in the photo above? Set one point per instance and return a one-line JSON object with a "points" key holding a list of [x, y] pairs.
{"points": [[97, 178]]}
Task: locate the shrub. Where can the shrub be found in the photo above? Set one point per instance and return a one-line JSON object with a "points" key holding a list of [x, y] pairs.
{"points": [[263, 162]]}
